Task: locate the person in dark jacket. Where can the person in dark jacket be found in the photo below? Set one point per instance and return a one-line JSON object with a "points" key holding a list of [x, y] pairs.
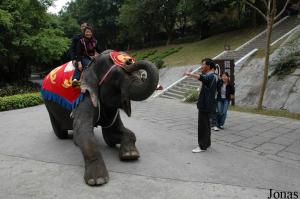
{"points": [[75, 40], [86, 51], [206, 103], [225, 93]]}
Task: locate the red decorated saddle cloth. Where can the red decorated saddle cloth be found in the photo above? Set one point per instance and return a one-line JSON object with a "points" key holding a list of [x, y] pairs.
{"points": [[57, 87]]}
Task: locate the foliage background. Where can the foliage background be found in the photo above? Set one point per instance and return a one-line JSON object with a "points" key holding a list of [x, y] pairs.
{"points": [[33, 40]]}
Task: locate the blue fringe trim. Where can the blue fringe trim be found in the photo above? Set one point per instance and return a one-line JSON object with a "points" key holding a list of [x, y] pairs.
{"points": [[62, 101]]}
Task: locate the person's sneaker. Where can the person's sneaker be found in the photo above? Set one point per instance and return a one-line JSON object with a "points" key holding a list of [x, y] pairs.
{"points": [[75, 83], [198, 150], [221, 127], [215, 128]]}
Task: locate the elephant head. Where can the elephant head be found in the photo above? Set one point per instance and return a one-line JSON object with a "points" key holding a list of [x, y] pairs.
{"points": [[118, 85]]}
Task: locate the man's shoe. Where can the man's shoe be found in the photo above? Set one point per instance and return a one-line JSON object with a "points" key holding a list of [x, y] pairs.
{"points": [[198, 150], [215, 128], [221, 127], [75, 83]]}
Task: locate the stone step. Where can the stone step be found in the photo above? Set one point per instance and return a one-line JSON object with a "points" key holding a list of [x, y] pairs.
{"points": [[192, 81], [190, 86], [187, 84], [167, 97], [183, 89], [176, 91], [173, 95], [195, 83]]}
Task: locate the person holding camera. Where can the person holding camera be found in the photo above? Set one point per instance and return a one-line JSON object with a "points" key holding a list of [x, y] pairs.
{"points": [[206, 102]]}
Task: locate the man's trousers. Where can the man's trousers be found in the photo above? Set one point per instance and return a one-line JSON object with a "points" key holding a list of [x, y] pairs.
{"points": [[204, 128]]}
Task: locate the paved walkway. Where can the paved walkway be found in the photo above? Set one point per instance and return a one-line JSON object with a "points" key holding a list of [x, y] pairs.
{"points": [[252, 155], [273, 137]]}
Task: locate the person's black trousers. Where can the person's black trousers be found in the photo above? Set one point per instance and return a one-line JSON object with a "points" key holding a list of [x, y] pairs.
{"points": [[204, 130], [77, 74]]}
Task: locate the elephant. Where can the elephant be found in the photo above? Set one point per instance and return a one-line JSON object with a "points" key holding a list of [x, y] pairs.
{"points": [[106, 90]]}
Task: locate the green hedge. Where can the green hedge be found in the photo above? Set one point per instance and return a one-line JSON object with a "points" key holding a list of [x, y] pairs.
{"points": [[156, 56], [18, 88], [20, 101]]}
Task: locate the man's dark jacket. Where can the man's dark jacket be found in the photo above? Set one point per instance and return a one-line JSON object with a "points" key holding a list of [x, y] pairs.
{"points": [[72, 51], [207, 97]]}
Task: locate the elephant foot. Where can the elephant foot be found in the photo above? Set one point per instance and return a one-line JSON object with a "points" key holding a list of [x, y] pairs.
{"points": [[96, 173], [129, 153]]}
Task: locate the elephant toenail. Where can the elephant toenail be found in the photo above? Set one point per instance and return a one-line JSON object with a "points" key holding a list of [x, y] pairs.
{"points": [[127, 154], [134, 153], [100, 181], [91, 182], [106, 179]]}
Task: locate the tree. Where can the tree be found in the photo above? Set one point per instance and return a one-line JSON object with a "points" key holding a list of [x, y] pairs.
{"points": [[270, 14], [131, 23], [140, 20], [183, 13], [28, 38], [168, 13], [101, 14]]}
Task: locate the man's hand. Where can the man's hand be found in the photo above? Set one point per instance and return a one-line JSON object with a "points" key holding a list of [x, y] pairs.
{"points": [[190, 74], [73, 62]]}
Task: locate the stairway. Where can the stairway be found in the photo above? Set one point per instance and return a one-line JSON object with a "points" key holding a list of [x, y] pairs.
{"points": [[178, 90], [279, 30]]}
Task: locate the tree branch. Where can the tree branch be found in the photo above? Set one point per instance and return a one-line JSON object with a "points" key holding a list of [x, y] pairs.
{"points": [[281, 12], [265, 2], [258, 10], [274, 9], [269, 6]]}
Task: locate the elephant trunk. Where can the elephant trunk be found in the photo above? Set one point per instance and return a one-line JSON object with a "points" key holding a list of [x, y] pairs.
{"points": [[144, 80]]}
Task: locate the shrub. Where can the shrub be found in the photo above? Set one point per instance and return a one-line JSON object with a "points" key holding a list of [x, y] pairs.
{"points": [[18, 88], [159, 63], [156, 57], [191, 96], [287, 60], [20, 101], [140, 56], [285, 66]]}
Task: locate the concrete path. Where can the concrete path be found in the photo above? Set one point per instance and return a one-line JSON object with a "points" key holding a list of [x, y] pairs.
{"points": [[252, 155]]}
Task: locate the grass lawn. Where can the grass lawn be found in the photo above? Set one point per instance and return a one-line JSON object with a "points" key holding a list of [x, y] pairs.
{"points": [[192, 53]]}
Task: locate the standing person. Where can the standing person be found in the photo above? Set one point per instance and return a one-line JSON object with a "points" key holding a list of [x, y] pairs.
{"points": [[86, 51], [213, 115], [206, 103], [75, 40], [225, 93]]}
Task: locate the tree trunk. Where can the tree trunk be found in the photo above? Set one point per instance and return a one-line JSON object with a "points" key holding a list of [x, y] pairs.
{"points": [[254, 20], [270, 21], [169, 39]]}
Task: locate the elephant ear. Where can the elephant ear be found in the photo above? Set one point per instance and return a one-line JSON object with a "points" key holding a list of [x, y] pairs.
{"points": [[89, 83]]}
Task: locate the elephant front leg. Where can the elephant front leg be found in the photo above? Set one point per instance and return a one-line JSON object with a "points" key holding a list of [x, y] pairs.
{"points": [[95, 169], [118, 134], [128, 150]]}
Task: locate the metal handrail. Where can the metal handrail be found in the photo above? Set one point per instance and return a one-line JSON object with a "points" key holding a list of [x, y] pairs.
{"points": [[183, 78]]}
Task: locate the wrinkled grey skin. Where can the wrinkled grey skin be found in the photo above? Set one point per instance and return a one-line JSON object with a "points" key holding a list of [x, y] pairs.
{"points": [[120, 86]]}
